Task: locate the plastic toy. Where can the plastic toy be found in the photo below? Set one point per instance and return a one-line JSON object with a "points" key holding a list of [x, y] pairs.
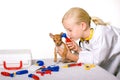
{"points": [[72, 65], [6, 74], [40, 63], [48, 70], [44, 72], [53, 68], [88, 66], [21, 72], [65, 36], [35, 77]]}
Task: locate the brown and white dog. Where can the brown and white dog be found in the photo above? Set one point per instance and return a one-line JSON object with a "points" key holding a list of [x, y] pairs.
{"points": [[57, 38]]}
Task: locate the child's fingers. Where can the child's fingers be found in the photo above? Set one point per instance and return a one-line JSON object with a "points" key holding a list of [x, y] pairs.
{"points": [[72, 45], [69, 44]]}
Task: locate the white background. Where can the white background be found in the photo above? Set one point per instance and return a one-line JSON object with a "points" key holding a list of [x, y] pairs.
{"points": [[26, 24]]}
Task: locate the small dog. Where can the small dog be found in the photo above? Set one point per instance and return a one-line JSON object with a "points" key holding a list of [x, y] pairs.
{"points": [[57, 38]]}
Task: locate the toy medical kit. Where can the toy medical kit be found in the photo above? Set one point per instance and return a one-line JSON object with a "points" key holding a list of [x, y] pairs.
{"points": [[35, 77], [65, 36], [72, 65], [15, 59]]}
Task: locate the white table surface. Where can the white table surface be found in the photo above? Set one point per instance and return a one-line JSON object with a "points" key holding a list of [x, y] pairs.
{"points": [[71, 73]]}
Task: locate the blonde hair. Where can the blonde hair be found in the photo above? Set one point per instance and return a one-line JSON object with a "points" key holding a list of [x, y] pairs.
{"points": [[98, 21], [80, 15]]}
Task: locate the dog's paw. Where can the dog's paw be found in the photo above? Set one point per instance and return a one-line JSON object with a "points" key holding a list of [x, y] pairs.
{"points": [[55, 60]]}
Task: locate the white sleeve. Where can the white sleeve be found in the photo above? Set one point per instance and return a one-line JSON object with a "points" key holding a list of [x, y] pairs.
{"points": [[100, 49]]}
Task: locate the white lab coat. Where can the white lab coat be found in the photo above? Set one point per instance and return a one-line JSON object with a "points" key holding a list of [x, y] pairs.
{"points": [[104, 45]]}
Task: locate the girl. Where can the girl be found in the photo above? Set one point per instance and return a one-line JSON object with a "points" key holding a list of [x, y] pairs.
{"points": [[97, 44]]}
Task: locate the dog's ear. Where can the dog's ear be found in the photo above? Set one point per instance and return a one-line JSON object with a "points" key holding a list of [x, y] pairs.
{"points": [[51, 35]]}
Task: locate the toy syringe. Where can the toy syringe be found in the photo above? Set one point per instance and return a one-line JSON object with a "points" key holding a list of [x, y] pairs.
{"points": [[72, 65]]}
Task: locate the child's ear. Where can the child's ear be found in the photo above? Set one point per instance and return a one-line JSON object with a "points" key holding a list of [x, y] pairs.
{"points": [[84, 26], [51, 35]]}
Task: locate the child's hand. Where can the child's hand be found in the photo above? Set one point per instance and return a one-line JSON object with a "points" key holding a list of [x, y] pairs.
{"points": [[69, 55], [73, 46]]}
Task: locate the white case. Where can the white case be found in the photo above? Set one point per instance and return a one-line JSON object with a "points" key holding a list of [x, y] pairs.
{"points": [[15, 59]]}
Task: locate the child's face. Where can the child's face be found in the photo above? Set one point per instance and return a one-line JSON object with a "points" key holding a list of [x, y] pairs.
{"points": [[73, 30]]}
